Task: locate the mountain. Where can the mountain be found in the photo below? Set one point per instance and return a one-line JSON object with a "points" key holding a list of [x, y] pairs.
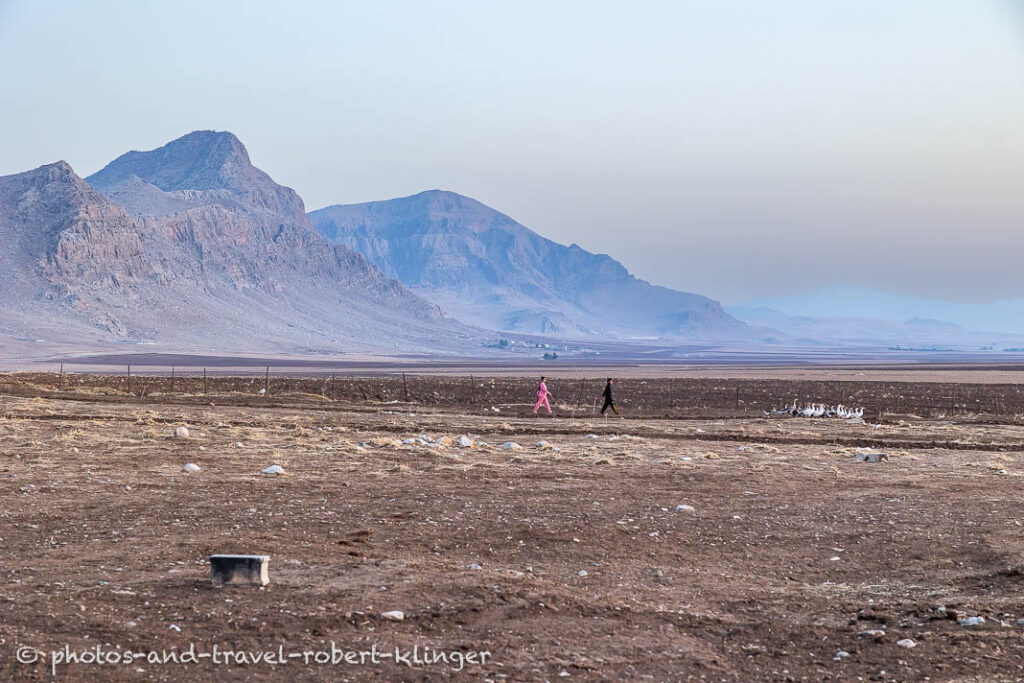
{"points": [[486, 269], [1000, 316], [832, 330], [191, 245]]}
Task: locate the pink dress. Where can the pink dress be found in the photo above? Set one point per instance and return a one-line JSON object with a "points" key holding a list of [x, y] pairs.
{"points": [[542, 398]]}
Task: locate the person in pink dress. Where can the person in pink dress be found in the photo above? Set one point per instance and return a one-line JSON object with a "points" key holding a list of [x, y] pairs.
{"points": [[542, 397]]}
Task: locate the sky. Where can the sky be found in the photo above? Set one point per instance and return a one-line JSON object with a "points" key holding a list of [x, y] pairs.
{"points": [[734, 148]]}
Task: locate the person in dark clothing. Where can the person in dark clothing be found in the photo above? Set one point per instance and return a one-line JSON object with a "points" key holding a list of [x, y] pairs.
{"points": [[608, 401]]}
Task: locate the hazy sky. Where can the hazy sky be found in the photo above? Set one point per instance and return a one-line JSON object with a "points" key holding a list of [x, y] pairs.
{"points": [[735, 148]]}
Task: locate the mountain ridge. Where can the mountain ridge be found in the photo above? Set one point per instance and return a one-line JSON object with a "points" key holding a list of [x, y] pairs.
{"points": [[235, 266], [488, 269]]}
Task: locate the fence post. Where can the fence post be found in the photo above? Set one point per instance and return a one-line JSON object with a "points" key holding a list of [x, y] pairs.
{"points": [[333, 395], [472, 390], [60, 379], [172, 379], [205, 388], [405, 389], [266, 381], [129, 380]]}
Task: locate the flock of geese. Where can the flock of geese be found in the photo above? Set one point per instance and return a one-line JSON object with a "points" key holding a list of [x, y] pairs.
{"points": [[816, 410]]}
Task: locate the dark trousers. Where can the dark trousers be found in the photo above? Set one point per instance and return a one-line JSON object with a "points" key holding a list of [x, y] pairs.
{"points": [[608, 403]]}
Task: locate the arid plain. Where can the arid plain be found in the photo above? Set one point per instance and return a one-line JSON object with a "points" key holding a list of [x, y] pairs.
{"points": [[691, 539]]}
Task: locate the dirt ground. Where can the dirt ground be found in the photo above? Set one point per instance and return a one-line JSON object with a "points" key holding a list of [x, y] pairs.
{"points": [[568, 558]]}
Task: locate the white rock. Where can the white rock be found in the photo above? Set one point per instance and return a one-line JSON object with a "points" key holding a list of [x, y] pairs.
{"points": [[684, 508], [542, 444], [263, 392], [465, 442], [512, 446], [181, 432], [274, 469], [834, 558], [409, 442], [906, 642], [191, 467], [238, 444], [175, 627], [475, 567], [582, 572], [394, 615], [869, 455], [872, 633], [972, 621], [424, 438], [841, 654], [590, 436]]}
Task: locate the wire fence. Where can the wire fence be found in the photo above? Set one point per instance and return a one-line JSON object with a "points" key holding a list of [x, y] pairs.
{"points": [[653, 397]]}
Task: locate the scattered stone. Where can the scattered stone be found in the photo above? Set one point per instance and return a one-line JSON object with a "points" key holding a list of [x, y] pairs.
{"points": [[841, 654], [274, 469], [906, 642], [181, 432], [542, 444], [711, 456], [582, 572], [191, 467], [684, 508], [512, 446], [409, 442], [466, 442], [590, 436], [394, 615], [971, 621], [474, 566], [875, 633], [175, 627], [856, 421], [238, 444]]}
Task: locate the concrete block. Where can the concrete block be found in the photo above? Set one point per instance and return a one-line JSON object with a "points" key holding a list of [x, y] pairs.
{"points": [[239, 569]]}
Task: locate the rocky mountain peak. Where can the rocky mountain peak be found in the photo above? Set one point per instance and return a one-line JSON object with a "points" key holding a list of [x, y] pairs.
{"points": [[198, 169]]}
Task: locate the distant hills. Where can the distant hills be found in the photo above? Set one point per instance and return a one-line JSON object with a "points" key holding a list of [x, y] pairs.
{"points": [[486, 269], [865, 316], [191, 245], [1001, 316]]}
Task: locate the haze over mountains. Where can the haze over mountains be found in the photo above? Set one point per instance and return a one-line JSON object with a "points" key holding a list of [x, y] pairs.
{"points": [[486, 269], [1005, 316], [190, 244]]}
